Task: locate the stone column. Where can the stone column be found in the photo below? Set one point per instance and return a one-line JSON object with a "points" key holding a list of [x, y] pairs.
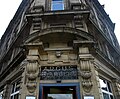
{"points": [[88, 74], [7, 90], [30, 84], [116, 87]]}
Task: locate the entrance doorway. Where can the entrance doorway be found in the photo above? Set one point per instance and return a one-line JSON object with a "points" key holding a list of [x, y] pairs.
{"points": [[59, 91]]}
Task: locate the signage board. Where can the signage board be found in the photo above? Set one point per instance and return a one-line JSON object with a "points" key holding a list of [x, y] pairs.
{"points": [[30, 97], [88, 97]]}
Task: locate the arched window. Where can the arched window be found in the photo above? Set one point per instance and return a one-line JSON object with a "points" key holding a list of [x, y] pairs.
{"points": [[57, 5]]}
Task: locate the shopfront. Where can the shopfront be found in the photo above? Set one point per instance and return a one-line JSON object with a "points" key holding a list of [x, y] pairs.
{"points": [[60, 91]]}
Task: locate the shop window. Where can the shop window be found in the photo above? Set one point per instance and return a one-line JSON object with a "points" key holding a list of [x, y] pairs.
{"points": [[15, 90], [57, 5], [106, 89]]}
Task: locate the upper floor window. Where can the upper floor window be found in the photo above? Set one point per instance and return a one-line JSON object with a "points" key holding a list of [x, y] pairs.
{"points": [[106, 89], [15, 90], [57, 5]]}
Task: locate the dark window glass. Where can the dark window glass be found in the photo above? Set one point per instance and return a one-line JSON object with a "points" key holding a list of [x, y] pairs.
{"points": [[17, 86], [11, 97], [13, 87], [109, 88], [106, 96], [111, 97], [57, 5], [16, 96]]}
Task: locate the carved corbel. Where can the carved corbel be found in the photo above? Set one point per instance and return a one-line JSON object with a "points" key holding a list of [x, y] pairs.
{"points": [[87, 85], [86, 74], [31, 86]]}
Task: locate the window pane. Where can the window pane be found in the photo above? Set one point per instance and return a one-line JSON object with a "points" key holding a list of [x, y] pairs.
{"points": [[57, 5], [106, 96], [17, 86], [109, 88], [111, 97], [16, 96], [13, 87], [1, 94], [103, 84], [0, 97], [11, 97]]}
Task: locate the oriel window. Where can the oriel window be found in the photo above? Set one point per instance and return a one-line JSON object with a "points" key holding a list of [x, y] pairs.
{"points": [[57, 5]]}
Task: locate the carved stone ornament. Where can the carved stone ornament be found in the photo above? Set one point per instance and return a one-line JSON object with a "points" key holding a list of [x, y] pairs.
{"points": [[31, 86], [32, 67], [87, 85], [32, 70], [86, 74], [85, 67], [32, 76]]}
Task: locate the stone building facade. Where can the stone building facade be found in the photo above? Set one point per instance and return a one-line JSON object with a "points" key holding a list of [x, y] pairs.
{"points": [[55, 49]]}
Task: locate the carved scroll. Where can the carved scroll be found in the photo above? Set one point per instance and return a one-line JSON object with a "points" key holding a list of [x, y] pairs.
{"points": [[85, 69], [32, 74]]}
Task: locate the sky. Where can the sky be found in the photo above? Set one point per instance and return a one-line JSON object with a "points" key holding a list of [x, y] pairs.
{"points": [[9, 7]]}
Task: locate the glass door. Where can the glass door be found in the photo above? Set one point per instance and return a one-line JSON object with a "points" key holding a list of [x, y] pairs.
{"points": [[59, 91]]}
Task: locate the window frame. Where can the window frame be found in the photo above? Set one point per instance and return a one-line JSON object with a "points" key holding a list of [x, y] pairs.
{"points": [[56, 2], [49, 2], [13, 90], [108, 87]]}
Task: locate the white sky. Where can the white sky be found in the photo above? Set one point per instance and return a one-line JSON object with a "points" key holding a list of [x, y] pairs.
{"points": [[9, 7]]}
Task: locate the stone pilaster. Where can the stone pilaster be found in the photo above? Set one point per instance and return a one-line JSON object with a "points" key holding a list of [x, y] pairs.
{"points": [[6, 91], [88, 73], [116, 85], [30, 85]]}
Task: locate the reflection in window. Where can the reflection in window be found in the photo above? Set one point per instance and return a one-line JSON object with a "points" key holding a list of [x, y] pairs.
{"points": [[15, 90], [1, 94], [60, 92], [57, 5], [106, 89], [60, 96]]}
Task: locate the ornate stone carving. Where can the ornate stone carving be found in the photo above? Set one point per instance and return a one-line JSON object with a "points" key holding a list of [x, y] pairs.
{"points": [[31, 86], [85, 66], [86, 74], [32, 69], [32, 76], [32, 73], [87, 85]]}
